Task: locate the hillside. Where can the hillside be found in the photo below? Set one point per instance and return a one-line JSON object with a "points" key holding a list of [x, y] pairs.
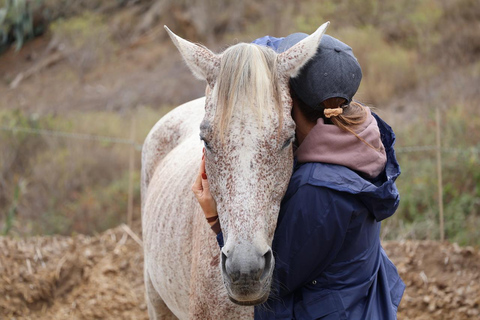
{"points": [[78, 99]]}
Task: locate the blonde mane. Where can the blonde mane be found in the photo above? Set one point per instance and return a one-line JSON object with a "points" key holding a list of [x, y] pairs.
{"points": [[247, 79]]}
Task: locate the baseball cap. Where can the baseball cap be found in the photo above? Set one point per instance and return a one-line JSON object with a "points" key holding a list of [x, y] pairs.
{"points": [[332, 72]]}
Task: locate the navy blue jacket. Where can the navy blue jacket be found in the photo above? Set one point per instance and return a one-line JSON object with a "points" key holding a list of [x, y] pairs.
{"points": [[329, 263]]}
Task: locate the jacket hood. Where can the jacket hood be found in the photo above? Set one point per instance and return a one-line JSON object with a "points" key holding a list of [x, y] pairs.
{"points": [[380, 194], [330, 144]]}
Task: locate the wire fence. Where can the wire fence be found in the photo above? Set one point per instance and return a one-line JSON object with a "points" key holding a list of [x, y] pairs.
{"points": [[73, 135], [138, 146], [410, 149], [134, 146]]}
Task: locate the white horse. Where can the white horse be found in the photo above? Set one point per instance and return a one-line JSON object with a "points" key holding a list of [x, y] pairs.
{"points": [[245, 124]]}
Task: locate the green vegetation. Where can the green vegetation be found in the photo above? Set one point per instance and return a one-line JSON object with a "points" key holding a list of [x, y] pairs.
{"points": [[417, 216], [16, 21], [51, 184], [21, 20], [416, 55], [86, 39]]}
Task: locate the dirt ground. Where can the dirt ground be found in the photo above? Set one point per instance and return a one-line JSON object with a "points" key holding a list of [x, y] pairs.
{"points": [[100, 277]]}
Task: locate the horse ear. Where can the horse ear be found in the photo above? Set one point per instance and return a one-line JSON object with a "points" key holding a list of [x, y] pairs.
{"points": [[203, 63], [292, 60]]}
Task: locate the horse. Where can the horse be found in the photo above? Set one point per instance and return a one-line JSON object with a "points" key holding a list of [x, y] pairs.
{"points": [[244, 123]]}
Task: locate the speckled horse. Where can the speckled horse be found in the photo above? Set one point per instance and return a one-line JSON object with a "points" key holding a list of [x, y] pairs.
{"points": [[244, 122]]}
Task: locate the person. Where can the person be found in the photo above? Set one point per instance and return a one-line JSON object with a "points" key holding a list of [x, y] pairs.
{"points": [[329, 260]]}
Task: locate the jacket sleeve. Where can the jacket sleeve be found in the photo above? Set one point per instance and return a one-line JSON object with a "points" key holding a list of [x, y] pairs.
{"points": [[311, 230]]}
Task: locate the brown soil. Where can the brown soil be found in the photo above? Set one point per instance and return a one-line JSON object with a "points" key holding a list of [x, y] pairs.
{"points": [[72, 278], [100, 277], [443, 279]]}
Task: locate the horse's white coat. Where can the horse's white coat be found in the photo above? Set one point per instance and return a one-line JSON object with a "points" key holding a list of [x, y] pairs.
{"points": [[248, 169]]}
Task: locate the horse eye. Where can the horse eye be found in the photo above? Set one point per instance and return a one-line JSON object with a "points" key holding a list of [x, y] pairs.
{"points": [[287, 143], [205, 143]]}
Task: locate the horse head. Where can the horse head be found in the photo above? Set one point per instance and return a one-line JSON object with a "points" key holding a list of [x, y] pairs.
{"points": [[248, 133]]}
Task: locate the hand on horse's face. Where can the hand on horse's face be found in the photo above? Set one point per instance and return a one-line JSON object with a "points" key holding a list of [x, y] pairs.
{"points": [[201, 189]]}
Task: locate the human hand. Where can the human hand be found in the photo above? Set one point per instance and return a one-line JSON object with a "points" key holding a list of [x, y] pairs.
{"points": [[201, 189]]}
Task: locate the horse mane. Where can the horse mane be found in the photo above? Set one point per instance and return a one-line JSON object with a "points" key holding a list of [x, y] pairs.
{"points": [[247, 78]]}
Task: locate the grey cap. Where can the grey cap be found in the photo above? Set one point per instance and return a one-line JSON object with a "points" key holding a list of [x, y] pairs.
{"points": [[332, 72]]}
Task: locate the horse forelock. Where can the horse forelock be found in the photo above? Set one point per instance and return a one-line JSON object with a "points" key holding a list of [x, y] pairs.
{"points": [[247, 79]]}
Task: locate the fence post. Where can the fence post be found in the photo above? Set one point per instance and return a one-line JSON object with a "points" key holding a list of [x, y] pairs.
{"points": [[439, 174], [131, 168]]}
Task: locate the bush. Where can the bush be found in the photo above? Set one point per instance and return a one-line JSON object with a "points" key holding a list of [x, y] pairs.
{"points": [[418, 214], [51, 184], [387, 69], [85, 39]]}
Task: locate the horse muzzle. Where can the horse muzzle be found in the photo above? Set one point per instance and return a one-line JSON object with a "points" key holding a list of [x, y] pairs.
{"points": [[247, 274]]}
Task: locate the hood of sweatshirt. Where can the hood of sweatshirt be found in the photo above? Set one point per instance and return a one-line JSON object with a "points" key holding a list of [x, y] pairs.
{"points": [[328, 143], [380, 194]]}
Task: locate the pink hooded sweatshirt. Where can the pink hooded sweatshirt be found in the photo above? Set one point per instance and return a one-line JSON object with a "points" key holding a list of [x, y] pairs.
{"points": [[329, 144]]}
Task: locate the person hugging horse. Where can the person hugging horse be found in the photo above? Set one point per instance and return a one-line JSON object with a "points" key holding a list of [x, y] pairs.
{"points": [[329, 263]]}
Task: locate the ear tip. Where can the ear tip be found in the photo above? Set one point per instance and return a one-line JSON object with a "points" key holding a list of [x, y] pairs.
{"points": [[170, 32], [325, 25], [172, 35]]}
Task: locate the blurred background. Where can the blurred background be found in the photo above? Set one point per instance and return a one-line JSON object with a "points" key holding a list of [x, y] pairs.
{"points": [[83, 81]]}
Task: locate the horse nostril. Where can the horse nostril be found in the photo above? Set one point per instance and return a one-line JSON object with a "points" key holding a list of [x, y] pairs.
{"points": [[228, 268], [257, 273], [235, 276], [268, 258]]}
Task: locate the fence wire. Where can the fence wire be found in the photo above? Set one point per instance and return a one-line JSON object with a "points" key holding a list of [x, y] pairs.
{"points": [[410, 149], [73, 135], [138, 146]]}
